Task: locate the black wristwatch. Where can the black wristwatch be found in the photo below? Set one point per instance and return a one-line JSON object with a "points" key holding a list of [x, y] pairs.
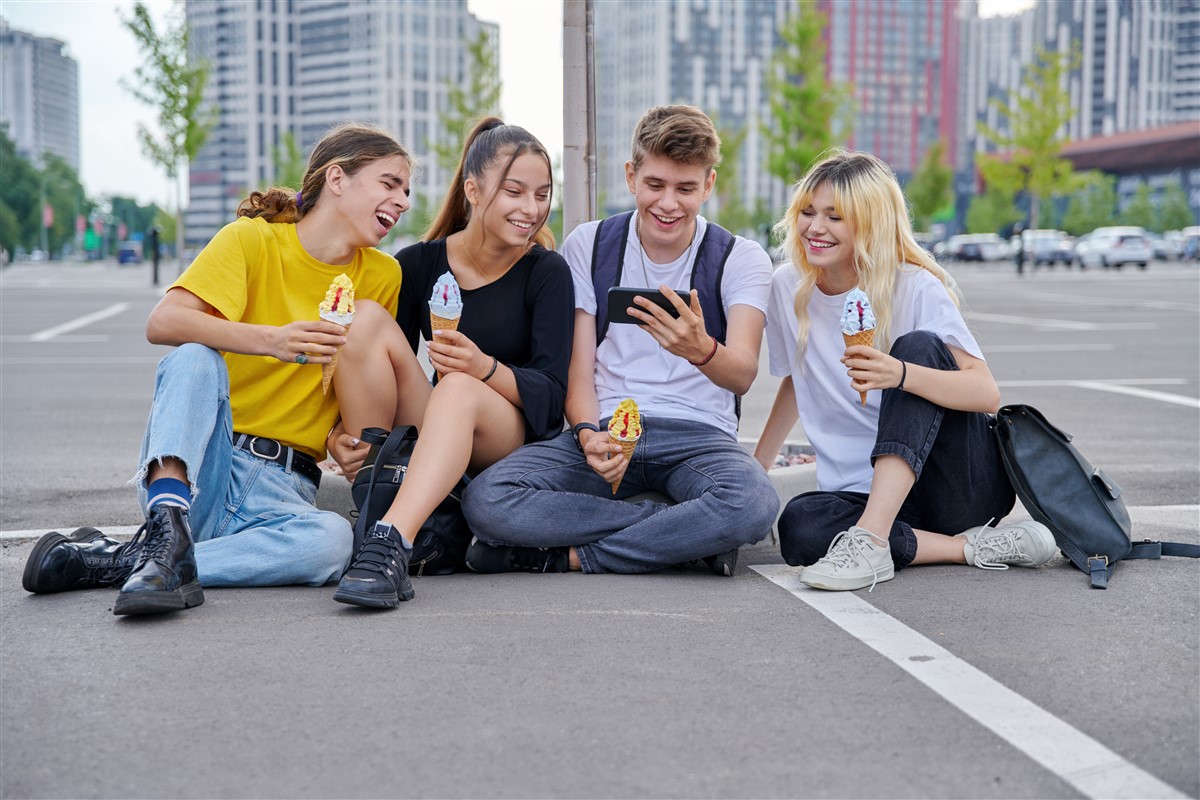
{"points": [[582, 426]]}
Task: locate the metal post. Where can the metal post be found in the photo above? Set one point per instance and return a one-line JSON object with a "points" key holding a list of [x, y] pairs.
{"points": [[579, 115]]}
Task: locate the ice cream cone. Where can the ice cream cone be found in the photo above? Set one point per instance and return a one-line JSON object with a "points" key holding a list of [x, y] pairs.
{"points": [[627, 446], [866, 338], [437, 323], [327, 369]]}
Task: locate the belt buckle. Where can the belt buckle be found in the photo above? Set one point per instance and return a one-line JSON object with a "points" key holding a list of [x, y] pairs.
{"points": [[254, 448]]}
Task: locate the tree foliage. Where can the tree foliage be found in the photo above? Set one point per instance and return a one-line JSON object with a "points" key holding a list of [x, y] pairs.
{"points": [[467, 103], [289, 162], [991, 211], [1030, 137], [1140, 209], [23, 190], [168, 81], [806, 108], [1175, 213], [932, 187], [1092, 204]]}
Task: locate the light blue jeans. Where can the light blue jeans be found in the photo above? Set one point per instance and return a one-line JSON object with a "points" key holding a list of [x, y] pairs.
{"points": [[545, 495], [255, 523]]}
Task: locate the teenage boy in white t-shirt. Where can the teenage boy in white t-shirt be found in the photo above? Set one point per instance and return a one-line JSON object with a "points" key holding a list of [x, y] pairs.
{"points": [[549, 507]]}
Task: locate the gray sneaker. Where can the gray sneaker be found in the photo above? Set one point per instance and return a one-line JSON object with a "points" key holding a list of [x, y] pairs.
{"points": [[856, 558], [1022, 544]]}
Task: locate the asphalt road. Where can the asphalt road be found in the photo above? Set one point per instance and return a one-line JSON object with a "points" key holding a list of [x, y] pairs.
{"points": [[946, 682]]}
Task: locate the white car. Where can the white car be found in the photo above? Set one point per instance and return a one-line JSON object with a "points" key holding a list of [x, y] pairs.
{"points": [[977, 247], [1113, 247]]}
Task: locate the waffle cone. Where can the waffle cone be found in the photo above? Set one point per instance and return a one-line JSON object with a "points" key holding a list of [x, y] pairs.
{"points": [[627, 446], [437, 323], [327, 369], [866, 338]]}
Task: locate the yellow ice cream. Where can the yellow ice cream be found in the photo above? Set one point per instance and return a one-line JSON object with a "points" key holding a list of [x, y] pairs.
{"points": [[339, 300], [626, 422]]}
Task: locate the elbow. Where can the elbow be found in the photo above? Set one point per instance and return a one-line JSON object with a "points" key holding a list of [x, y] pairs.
{"points": [[991, 399], [744, 382], [156, 329]]}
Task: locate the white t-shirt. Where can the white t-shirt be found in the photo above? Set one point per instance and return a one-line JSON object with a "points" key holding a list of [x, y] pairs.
{"points": [[839, 428], [630, 363]]}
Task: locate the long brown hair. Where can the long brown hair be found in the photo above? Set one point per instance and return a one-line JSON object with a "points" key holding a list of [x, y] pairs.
{"points": [[486, 143], [351, 147]]}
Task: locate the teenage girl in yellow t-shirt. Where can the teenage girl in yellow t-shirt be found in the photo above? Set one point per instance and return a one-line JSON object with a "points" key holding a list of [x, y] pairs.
{"points": [[238, 418]]}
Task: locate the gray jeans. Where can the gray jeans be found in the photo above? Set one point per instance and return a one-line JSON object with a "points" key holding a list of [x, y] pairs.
{"points": [[545, 495]]}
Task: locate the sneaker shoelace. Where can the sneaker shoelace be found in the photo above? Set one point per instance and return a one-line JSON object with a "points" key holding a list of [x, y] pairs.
{"points": [[847, 549], [998, 550], [377, 555]]}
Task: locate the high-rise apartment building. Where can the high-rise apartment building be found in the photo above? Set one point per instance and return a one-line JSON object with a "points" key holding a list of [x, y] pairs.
{"points": [[39, 95], [900, 60], [706, 53], [282, 66]]}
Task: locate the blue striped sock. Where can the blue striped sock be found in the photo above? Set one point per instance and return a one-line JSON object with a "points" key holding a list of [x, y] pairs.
{"points": [[169, 492]]}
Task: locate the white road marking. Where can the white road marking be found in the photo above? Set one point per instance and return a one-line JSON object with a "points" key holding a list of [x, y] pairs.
{"points": [[78, 338], [1047, 348], [1119, 386], [76, 360], [1067, 752], [79, 322], [1062, 324]]}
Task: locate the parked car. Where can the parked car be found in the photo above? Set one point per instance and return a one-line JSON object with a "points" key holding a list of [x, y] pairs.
{"points": [[977, 247], [1191, 244], [1047, 247], [129, 253], [1113, 247]]}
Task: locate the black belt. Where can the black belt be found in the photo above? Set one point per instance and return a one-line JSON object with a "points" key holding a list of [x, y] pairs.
{"points": [[287, 457]]}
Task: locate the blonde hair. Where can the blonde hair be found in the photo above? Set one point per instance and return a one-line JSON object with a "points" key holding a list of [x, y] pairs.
{"points": [[866, 195], [351, 146], [683, 134], [488, 142]]}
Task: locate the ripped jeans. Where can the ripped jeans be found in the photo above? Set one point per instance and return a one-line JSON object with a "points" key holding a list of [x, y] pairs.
{"points": [[255, 523]]}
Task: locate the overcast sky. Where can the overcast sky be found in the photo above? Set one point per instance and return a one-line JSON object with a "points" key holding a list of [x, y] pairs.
{"points": [[111, 161]]}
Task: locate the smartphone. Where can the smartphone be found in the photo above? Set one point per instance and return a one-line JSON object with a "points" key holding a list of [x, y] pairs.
{"points": [[620, 298]]}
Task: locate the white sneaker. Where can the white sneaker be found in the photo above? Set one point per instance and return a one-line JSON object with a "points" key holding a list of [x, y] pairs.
{"points": [[1023, 544], [856, 558]]}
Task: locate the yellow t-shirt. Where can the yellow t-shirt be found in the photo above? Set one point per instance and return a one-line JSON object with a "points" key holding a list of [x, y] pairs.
{"points": [[258, 272]]}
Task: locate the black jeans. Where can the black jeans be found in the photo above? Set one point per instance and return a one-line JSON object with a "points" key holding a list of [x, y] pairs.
{"points": [[960, 483]]}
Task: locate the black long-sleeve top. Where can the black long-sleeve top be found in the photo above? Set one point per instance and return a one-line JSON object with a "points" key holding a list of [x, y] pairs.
{"points": [[525, 319]]}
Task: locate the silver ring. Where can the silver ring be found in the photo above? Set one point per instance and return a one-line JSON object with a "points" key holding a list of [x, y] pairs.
{"points": [[301, 358]]}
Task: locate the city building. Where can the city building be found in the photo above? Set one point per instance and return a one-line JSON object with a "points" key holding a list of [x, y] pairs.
{"points": [[1137, 70], [39, 96], [706, 53], [284, 66]]}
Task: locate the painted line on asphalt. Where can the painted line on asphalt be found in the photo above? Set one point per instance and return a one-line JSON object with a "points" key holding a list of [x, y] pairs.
{"points": [[77, 338], [116, 531], [79, 322], [1047, 348], [1064, 750], [1120, 386], [78, 360], [1062, 324]]}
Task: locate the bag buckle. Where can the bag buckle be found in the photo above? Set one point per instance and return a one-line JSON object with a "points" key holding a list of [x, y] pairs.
{"points": [[1098, 558], [254, 448]]}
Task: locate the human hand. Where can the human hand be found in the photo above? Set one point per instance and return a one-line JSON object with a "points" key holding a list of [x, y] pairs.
{"points": [[452, 351], [869, 368], [684, 335], [313, 339], [604, 457], [347, 451]]}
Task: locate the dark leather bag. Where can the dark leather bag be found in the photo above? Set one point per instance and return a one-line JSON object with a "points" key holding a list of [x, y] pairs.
{"points": [[441, 545], [1080, 505]]}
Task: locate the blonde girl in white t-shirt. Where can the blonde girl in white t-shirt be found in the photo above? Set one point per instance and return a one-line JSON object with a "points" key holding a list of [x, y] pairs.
{"points": [[913, 476]]}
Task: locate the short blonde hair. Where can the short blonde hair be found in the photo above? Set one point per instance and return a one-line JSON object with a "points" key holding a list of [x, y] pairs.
{"points": [[683, 134]]}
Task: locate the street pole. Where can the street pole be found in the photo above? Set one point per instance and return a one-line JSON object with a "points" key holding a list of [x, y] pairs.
{"points": [[579, 115]]}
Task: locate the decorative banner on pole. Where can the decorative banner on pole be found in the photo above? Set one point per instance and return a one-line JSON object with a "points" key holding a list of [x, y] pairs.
{"points": [[47, 216], [80, 223], [121, 231]]}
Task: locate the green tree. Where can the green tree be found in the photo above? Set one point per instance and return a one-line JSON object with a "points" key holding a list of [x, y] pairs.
{"points": [[1029, 138], [1175, 213], [991, 211], [931, 188], [806, 108], [62, 191], [172, 84], [732, 212], [1092, 204], [468, 103], [20, 189], [289, 162], [1140, 209]]}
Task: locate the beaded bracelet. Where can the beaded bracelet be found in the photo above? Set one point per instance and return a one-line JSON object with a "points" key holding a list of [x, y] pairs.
{"points": [[709, 357], [491, 371]]}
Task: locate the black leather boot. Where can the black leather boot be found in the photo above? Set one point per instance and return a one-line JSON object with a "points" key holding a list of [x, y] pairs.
{"points": [[87, 559], [164, 578]]}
